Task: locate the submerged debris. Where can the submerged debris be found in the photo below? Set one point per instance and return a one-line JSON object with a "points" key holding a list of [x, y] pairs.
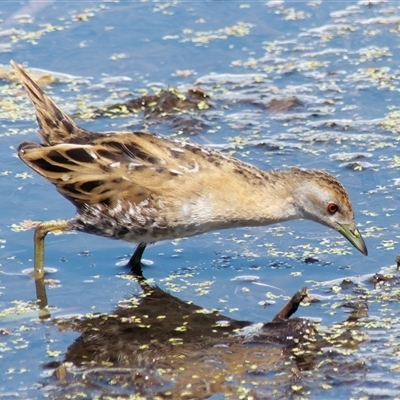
{"points": [[397, 259], [291, 306], [165, 103], [283, 105]]}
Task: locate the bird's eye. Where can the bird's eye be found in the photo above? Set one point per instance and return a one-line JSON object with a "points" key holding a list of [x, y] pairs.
{"points": [[332, 208]]}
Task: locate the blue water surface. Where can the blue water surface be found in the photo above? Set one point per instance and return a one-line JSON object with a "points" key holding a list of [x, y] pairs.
{"points": [[340, 60]]}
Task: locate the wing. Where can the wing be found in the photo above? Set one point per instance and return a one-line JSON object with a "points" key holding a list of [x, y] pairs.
{"points": [[131, 166]]}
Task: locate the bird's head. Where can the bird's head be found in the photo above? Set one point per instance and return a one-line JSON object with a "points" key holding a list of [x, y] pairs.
{"points": [[320, 197]]}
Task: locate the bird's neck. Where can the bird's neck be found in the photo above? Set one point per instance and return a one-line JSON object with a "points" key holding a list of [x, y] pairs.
{"points": [[258, 202]]}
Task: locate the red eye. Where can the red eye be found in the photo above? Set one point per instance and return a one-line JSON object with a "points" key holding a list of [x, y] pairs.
{"points": [[332, 208]]}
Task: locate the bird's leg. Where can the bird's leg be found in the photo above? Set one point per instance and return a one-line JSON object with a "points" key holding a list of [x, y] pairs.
{"points": [[41, 231], [135, 260]]}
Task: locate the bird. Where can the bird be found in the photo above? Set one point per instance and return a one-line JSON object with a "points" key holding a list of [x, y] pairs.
{"points": [[143, 188]]}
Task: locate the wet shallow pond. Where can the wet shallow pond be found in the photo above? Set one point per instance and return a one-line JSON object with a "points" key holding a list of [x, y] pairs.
{"points": [[310, 84]]}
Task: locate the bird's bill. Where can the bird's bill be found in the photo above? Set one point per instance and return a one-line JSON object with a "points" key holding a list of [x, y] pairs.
{"points": [[352, 234]]}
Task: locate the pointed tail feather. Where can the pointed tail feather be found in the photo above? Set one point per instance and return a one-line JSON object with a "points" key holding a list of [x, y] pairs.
{"points": [[55, 126]]}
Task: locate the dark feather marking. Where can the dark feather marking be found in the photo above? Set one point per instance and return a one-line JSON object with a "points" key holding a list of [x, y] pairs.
{"points": [[90, 185], [134, 152], [105, 168], [49, 122], [59, 116], [79, 154], [71, 189], [58, 158], [109, 155], [68, 126], [42, 164], [153, 160], [123, 231], [107, 202], [137, 168]]}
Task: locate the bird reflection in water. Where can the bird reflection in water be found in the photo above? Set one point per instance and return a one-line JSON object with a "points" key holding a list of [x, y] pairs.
{"points": [[158, 345]]}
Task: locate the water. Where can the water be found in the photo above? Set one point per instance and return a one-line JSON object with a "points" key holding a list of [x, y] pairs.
{"points": [[338, 59]]}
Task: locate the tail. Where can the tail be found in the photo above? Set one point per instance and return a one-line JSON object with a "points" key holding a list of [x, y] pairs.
{"points": [[55, 127]]}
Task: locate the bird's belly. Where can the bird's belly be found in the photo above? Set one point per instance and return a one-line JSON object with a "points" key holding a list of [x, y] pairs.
{"points": [[136, 232], [138, 224], [148, 223]]}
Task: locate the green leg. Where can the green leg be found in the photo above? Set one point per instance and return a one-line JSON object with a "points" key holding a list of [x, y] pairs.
{"points": [[40, 233]]}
